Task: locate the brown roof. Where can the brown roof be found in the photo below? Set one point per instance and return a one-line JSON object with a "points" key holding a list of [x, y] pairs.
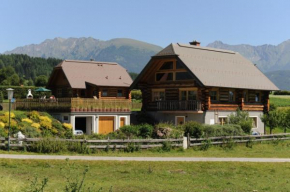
{"points": [[78, 73], [218, 68]]}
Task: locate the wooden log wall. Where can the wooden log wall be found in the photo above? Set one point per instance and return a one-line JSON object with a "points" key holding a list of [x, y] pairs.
{"points": [[171, 94]]}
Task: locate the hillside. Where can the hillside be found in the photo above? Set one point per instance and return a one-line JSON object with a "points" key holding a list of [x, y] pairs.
{"points": [[131, 54], [280, 78], [267, 57]]}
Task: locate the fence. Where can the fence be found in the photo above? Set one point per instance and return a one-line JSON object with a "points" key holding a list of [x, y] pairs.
{"points": [[99, 144], [185, 142]]}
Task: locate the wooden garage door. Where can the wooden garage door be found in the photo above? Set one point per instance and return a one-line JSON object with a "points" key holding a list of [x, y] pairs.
{"points": [[106, 125]]}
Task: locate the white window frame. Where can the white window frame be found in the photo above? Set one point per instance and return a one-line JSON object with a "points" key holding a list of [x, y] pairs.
{"points": [[176, 119], [126, 121], [221, 117], [256, 121]]}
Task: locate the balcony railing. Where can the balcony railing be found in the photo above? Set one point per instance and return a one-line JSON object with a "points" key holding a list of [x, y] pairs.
{"points": [[191, 105], [74, 105]]}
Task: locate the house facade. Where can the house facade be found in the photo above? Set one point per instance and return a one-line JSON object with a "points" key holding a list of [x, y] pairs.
{"points": [[93, 96], [193, 83]]}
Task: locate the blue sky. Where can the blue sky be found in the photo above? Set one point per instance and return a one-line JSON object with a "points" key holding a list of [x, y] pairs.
{"points": [[155, 21]]}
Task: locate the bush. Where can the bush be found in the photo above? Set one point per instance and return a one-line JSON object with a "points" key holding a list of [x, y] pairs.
{"points": [[283, 92], [163, 130], [27, 120], [130, 130], [145, 130], [136, 94], [241, 118], [31, 132], [48, 145], [34, 115], [194, 129], [67, 126], [222, 130]]}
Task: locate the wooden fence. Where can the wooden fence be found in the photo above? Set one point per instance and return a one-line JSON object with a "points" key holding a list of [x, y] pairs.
{"points": [[99, 144], [185, 142]]}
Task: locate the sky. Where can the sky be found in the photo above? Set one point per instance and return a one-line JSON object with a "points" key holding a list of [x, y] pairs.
{"points": [[160, 22]]}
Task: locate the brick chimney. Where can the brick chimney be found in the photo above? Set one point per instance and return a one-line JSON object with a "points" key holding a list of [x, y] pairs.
{"points": [[195, 43]]}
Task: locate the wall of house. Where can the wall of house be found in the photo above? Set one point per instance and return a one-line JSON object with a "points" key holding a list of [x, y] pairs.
{"points": [[212, 117]]}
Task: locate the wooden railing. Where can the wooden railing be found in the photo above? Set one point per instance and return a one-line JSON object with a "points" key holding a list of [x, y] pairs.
{"points": [[191, 105], [74, 105]]}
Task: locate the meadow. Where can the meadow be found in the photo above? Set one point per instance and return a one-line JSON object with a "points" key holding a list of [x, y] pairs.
{"points": [[19, 175], [280, 100]]}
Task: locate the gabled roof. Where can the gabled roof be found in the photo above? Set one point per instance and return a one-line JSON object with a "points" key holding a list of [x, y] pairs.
{"points": [[217, 67], [78, 73]]}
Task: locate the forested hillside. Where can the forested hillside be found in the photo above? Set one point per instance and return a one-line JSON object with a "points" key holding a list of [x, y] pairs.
{"points": [[19, 69]]}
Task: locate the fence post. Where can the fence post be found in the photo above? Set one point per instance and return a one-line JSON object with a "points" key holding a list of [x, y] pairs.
{"points": [[185, 144], [188, 140]]}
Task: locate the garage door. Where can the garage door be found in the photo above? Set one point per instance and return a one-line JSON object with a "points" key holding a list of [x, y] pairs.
{"points": [[106, 125]]}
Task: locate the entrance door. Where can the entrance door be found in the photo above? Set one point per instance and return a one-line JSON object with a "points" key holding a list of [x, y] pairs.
{"points": [[122, 121], [106, 124]]}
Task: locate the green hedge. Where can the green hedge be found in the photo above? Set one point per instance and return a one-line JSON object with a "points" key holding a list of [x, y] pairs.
{"points": [[283, 92], [19, 91]]}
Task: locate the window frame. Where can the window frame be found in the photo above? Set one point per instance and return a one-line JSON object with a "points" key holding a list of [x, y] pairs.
{"points": [[223, 122], [176, 123], [158, 91], [187, 91], [121, 93], [104, 91], [254, 122]]}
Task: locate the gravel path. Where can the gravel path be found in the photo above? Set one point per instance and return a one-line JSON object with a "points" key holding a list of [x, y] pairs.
{"points": [[102, 158]]}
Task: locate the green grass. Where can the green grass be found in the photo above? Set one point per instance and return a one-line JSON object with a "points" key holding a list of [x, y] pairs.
{"points": [[279, 149], [280, 100], [16, 175]]}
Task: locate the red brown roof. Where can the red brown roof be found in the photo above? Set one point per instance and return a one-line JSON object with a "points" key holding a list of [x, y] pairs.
{"points": [[78, 73]]}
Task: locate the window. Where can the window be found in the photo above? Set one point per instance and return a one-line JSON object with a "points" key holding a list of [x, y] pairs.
{"points": [[213, 95], [182, 76], [65, 118], [231, 96], [187, 95], [164, 77], [179, 65], [245, 95], [255, 122], [257, 97], [179, 120], [104, 93], [120, 93], [223, 120], [167, 65], [158, 95]]}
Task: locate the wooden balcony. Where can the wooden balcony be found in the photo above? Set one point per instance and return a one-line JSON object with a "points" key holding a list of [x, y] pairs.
{"points": [[191, 105], [74, 105]]}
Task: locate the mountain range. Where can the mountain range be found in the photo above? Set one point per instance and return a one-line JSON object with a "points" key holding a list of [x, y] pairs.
{"points": [[273, 60], [130, 53]]}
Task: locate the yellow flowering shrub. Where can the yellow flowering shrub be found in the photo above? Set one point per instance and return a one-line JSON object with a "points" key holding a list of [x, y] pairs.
{"points": [[12, 115], [4, 119], [2, 125], [27, 120], [67, 125], [45, 118], [35, 125], [13, 123], [34, 115]]}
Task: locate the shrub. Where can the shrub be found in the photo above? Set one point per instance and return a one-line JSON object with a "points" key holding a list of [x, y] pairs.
{"points": [[45, 122], [12, 115], [222, 130], [163, 130], [19, 115], [241, 118], [35, 125], [3, 133], [27, 120], [67, 126], [48, 145], [145, 130], [2, 125], [31, 132], [34, 115], [130, 130], [136, 94], [194, 129]]}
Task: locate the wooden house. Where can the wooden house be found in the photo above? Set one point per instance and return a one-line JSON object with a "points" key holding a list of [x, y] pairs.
{"points": [[93, 96], [189, 82]]}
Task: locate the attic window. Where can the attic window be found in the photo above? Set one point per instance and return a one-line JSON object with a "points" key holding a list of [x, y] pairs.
{"points": [[164, 77], [179, 66], [167, 65], [182, 76]]}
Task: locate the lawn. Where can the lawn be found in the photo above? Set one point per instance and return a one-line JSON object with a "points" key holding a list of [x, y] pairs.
{"points": [[280, 149], [280, 100], [17, 175]]}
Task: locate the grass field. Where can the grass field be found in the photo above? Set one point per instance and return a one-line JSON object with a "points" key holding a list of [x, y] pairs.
{"points": [[280, 100], [16, 175], [279, 149]]}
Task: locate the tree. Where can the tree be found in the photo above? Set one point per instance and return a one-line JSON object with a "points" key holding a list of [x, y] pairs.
{"points": [[241, 118], [272, 119], [41, 80]]}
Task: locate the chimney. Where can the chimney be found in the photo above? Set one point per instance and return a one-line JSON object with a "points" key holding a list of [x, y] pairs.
{"points": [[195, 43]]}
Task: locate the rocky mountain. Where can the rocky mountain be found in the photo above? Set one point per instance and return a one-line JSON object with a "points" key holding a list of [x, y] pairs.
{"points": [[280, 78], [131, 54], [267, 57]]}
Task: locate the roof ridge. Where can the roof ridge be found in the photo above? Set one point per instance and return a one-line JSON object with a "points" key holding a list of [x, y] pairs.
{"points": [[92, 62], [206, 48]]}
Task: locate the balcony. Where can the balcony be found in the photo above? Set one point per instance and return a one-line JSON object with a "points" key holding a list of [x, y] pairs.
{"points": [[191, 105], [74, 105]]}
